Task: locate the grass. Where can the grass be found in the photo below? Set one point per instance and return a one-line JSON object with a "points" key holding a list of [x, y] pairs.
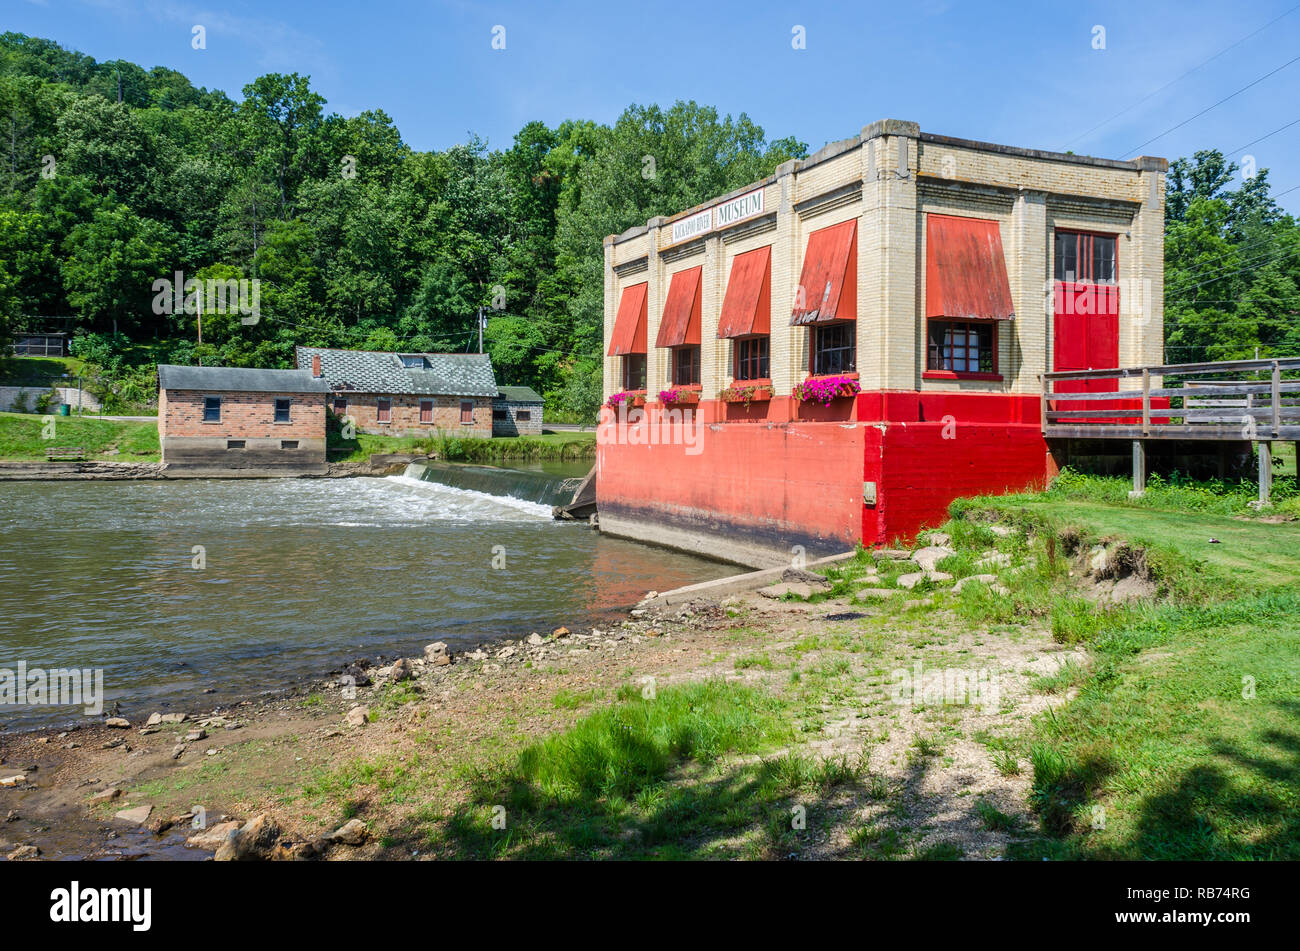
{"points": [[24, 437], [550, 446], [39, 372], [1184, 739], [681, 775]]}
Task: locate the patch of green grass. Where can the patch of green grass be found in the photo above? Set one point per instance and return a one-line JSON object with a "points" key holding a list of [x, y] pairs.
{"points": [[994, 819], [26, 436], [678, 776], [572, 699]]}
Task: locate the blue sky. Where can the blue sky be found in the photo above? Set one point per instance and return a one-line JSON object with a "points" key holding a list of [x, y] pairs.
{"points": [[1017, 73]]}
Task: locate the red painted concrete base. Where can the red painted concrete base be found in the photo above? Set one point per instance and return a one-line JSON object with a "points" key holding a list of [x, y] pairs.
{"points": [[770, 478]]}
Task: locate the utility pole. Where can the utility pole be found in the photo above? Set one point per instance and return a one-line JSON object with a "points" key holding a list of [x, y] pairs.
{"points": [[198, 300], [480, 330]]}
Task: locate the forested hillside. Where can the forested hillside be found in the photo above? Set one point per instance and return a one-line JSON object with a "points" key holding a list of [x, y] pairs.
{"points": [[357, 239], [113, 176]]}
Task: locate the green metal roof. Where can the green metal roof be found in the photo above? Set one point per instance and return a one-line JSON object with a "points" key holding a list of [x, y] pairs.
{"points": [[519, 394]]}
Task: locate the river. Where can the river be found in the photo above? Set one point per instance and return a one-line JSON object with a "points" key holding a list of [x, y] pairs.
{"points": [[194, 593]]}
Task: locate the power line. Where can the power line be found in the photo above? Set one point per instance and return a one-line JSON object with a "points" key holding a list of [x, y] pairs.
{"points": [[1262, 137], [1232, 95], [1178, 79]]}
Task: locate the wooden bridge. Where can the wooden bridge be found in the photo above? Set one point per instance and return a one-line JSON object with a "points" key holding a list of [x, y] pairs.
{"points": [[1227, 401]]}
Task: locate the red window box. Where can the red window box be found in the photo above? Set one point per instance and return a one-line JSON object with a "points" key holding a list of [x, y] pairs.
{"points": [[747, 391], [827, 389], [953, 375], [631, 397], [680, 396]]}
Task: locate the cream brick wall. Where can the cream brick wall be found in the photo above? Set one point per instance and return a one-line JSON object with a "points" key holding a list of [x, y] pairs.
{"points": [[904, 174]]}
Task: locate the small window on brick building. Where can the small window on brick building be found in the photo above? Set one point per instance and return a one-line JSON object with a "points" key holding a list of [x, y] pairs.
{"points": [[234, 444], [212, 409], [834, 348], [962, 347], [752, 358], [500, 414], [288, 444], [340, 406], [282, 410], [426, 411], [686, 365], [524, 415], [384, 410], [466, 413]]}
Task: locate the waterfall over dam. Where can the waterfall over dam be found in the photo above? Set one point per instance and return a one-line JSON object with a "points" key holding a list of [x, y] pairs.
{"points": [[547, 484]]}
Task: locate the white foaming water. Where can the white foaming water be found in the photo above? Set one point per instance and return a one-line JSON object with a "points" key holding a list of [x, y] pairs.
{"points": [[444, 501]]}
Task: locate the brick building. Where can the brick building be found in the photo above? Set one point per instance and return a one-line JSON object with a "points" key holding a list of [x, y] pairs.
{"points": [[231, 419], [406, 394], [517, 411], [831, 355]]}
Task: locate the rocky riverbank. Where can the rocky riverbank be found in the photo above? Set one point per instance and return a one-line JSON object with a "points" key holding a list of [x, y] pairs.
{"points": [[84, 792]]}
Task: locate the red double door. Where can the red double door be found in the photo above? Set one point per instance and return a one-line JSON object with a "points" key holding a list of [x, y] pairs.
{"points": [[1085, 333]]}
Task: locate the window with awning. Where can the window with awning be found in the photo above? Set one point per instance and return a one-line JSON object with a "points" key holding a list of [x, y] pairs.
{"points": [[680, 326], [747, 304], [828, 283], [965, 270], [629, 334]]}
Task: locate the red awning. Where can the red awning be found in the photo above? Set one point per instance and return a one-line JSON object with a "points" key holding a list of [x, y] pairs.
{"points": [[828, 284], [629, 326], [965, 269], [681, 323], [747, 305]]}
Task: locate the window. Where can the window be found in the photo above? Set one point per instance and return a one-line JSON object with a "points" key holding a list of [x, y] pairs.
{"points": [[524, 416], [384, 410], [288, 444], [282, 410], [634, 371], [500, 414], [426, 411], [413, 361], [234, 444], [834, 348], [752, 358], [686, 366], [212, 409], [1084, 258], [466, 413], [340, 406], [962, 347]]}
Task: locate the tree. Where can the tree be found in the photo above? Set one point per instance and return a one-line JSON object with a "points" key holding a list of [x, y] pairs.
{"points": [[110, 265]]}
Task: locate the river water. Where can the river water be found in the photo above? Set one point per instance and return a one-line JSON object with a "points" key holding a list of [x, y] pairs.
{"points": [[294, 577]]}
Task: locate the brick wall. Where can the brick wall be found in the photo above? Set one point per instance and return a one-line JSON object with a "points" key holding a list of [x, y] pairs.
{"points": [[363, 408], [243, 415]]}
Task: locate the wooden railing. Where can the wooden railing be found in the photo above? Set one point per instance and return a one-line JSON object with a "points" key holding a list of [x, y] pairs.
{"points": [[1231, 400]]}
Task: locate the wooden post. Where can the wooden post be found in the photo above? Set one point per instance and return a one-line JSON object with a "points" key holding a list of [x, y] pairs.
{"points": [[1265, 472], [1042, 402], [1139, 469], [1146, 402], [1277, 401]]}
